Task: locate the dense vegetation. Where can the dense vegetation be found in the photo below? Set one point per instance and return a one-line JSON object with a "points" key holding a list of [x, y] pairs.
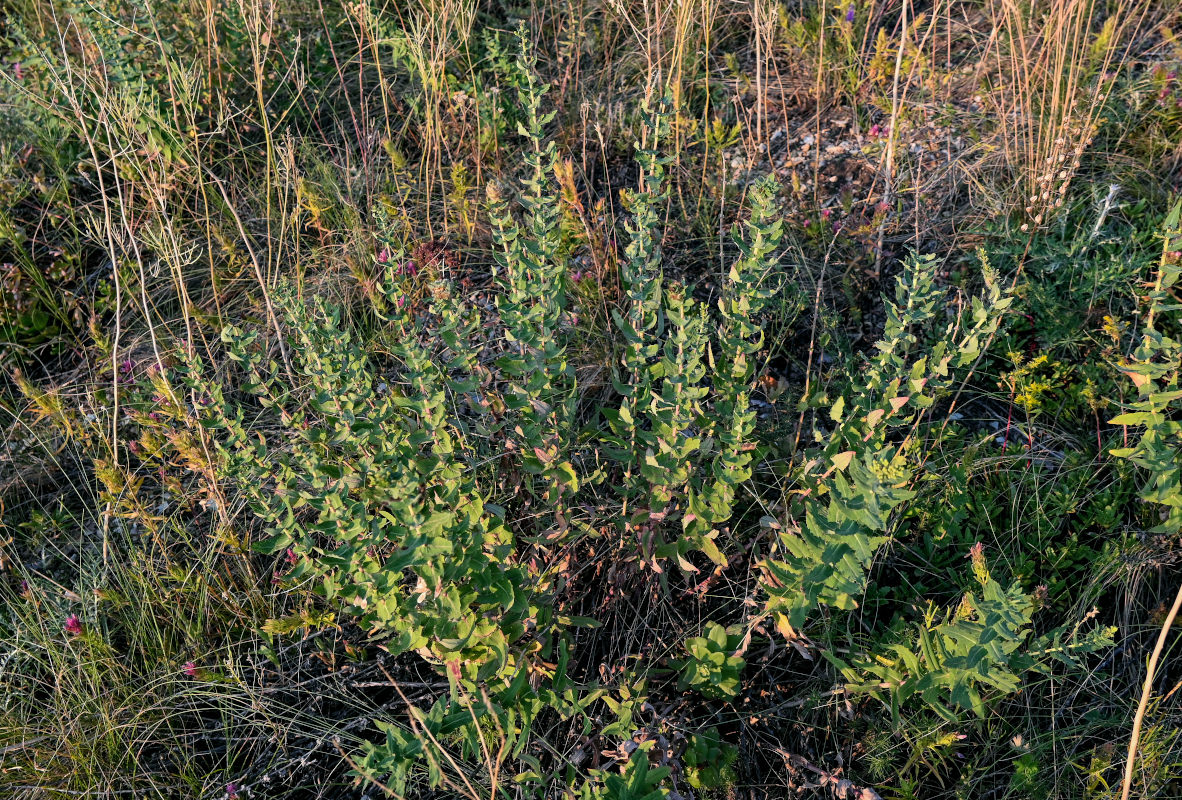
{"points": [[590, 399]]}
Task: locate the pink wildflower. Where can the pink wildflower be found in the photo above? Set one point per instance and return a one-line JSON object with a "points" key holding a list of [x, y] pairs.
{"points": [[73, 625], [383, 255], [980, 568], [1040, 595], [232, 791], [191, 669]]}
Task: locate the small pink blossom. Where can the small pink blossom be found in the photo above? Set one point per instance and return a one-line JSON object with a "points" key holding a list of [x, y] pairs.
{"points": [[191, 669], [73, 625], [126, 366], [383, 255], [980, 568], [826, 212], [1040, 595], [232, 791]]}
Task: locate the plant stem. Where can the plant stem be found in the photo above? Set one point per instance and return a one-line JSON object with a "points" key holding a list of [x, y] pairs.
{"points": [[1146, 690]]}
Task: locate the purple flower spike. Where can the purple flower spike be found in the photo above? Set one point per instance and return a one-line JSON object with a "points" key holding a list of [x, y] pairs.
{"points": [[849, 15]]}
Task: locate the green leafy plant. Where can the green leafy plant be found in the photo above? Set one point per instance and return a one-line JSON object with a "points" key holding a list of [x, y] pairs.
{"points": [[639, 781], [374, 486], [980, 649], [1154, 369], [708, 761], [712, 668], [851, 485], [684, 448]]}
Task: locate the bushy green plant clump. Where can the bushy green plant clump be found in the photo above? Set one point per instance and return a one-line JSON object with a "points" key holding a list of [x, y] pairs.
{"points": [[375, 487], [517, 513], [382, 487], [709, 762], [1154, 368], [712, 667], [851, 486], [983, 645]]}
